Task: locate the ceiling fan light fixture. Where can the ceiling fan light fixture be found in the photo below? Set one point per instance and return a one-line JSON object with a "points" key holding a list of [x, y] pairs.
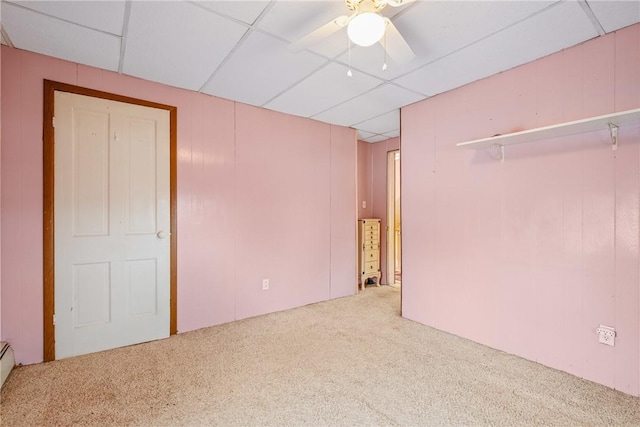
{"points": [[366, 28]]}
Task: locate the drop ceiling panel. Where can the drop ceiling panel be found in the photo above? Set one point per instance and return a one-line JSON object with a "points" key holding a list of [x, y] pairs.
{"points": [[177, 43], [381, 124], [558, 27], [35, 32], [105, 16], [322, 90], [292, 20], [372, 104], [613, 15], [376, 138], [246, 11], [279, 68], [363, 134], [370, 60], [333, 46], [393, 134]]}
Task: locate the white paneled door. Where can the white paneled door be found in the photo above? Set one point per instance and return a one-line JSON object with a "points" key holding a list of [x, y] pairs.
{"points": [[112, 222]]}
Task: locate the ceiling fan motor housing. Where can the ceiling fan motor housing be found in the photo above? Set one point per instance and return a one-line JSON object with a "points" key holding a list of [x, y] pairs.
{"points": [[362, 6]]}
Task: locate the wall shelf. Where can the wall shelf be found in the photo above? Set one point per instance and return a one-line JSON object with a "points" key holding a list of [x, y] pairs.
{"points": [[591, 124]]}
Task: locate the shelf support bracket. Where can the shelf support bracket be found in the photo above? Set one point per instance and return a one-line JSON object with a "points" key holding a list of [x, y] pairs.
{"points": [[499, 151], [613, 130]]}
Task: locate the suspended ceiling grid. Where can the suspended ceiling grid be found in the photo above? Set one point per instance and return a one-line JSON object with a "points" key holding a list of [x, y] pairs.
{"points": [[240, 50]]}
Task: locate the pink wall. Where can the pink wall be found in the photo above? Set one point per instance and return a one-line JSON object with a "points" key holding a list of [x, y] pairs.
{"points": [[260, 195], [529, 256], [343, 211]]}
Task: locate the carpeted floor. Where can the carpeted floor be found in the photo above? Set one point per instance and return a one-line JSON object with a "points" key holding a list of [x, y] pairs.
{"points": [[351, 361]]}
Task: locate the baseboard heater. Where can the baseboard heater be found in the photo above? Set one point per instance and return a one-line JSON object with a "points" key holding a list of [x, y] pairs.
{"points": [[6, 361]]}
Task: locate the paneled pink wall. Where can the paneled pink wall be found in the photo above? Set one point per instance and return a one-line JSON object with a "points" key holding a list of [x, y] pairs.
{"points": [[260, 195], [343, 207], [531, 255]]}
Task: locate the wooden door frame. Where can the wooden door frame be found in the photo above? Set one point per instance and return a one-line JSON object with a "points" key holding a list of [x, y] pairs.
{"points": [[48, 203], [392, 226], [391, 237]]}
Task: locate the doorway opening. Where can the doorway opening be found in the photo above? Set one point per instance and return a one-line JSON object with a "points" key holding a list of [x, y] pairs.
{"points": [[394, 222]]}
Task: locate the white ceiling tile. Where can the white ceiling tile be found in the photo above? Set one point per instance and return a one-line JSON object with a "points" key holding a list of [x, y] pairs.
{"points": [[177, 43], [2, 40], [376, 138], [381, 124], [38, 33], [370, 60], [363, 134], [103, 15], [279, 68], [246, 11], [613, 15], [293, 20], [558, 27], [322, 90], [333, 46], [392, 134], [374, 103]]}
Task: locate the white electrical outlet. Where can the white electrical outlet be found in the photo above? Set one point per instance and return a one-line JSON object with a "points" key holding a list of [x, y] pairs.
{"points": [[606, 335], [265, 284]]}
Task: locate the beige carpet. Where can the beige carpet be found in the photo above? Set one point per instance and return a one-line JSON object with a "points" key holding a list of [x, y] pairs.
{"points": [[351, 361]]}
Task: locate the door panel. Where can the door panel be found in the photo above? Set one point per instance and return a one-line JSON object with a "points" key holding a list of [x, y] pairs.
{"points": [[141, 185], [90, 173], [112, 223], [91, 296]]}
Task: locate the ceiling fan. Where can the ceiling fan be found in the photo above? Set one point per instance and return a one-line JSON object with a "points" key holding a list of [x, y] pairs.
{"points": [[365, 27]]}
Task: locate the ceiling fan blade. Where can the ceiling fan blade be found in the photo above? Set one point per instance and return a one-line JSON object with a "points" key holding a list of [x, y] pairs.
{"points": [[320, 33], [395, 45], [397, 3]]}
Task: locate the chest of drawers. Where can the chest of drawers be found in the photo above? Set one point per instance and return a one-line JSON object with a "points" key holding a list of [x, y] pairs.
{"points": [[369, 251]]}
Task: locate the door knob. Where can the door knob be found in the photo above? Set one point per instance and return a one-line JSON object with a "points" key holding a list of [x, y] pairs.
{"points": [[161, 234]]}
